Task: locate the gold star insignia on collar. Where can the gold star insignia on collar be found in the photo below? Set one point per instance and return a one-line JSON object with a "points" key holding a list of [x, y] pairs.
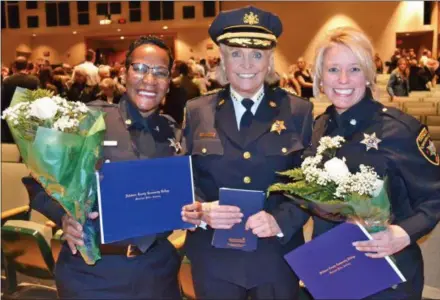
{"points": [[371, 141], [128, 122], [221, 102], [272, 104], [251, 19], [278, 126]]}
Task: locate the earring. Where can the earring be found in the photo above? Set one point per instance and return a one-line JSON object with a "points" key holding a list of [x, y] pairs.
{"points": [[368, 83]]}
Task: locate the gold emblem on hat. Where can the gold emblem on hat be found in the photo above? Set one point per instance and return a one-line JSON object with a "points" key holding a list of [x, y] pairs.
{"points": [[272, 104], [221, 102], [278, 126], [251, 19]]}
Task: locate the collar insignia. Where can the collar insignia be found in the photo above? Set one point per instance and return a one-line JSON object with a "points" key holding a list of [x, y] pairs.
{"points": [[157, 128], [176, 145], [371, 141], [278, 126], [221, 102], [272, 104], [251, 19], [128, 122]]}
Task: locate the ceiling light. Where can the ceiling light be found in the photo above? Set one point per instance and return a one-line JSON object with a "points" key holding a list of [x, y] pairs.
{"points": [[122, 37], [165, 27], [74, 32], [34, 35], [161, 35], [118, 30]]}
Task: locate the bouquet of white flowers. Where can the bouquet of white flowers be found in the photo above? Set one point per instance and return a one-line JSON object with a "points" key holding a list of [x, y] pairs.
{"points": [[325, 186], [60, 143]]}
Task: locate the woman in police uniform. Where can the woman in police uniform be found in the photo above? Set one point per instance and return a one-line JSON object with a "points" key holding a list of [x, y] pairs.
{"points": [[238, 138], [148, 267], [392, 142]]}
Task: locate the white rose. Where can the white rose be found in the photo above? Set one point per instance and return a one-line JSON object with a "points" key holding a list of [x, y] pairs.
{"points": [[43, 108], [336, 168], [378, 185]]}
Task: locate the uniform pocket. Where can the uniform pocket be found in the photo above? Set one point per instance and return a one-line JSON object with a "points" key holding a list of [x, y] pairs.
{"points": [[207, 147], [282, 145]]}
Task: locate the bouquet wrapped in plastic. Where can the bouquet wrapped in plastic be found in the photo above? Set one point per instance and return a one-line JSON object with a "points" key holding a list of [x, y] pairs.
{"points": [[60, 143], [325, 186]]}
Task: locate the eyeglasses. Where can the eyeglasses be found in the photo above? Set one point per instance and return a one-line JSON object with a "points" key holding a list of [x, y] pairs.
{"points": [[140, 70]]}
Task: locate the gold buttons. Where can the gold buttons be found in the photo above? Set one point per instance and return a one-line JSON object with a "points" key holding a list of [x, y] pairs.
{"points": [[246, 155], [247, 179], [284, 150], [204, 150]]}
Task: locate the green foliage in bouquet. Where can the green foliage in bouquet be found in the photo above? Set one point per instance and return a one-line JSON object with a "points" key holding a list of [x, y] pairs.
{"points": [[330, 191], [60, 142]]}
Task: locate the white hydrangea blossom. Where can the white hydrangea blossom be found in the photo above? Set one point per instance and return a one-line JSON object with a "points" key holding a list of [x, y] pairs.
{"points": [[335, 170], [327, 142], [63, 114]]}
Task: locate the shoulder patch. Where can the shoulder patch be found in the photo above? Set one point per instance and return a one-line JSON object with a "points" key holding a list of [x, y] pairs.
{"points": [[426, 147]]}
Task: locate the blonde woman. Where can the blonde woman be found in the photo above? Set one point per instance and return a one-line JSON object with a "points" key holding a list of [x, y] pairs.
{"points": [[395, 144], [398, 84]]}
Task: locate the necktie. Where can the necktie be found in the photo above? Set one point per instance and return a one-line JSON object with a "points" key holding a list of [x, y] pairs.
{"points": [[246, 119]]}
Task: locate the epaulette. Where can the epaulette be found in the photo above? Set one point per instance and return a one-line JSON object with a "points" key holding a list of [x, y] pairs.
{"points": [[212, 92], [409, 121], [288, 91], [101, 103], [169, 118]]}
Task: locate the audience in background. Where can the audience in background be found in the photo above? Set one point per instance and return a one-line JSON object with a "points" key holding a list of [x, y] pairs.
{"points": [[398, 85], [181, 78], [379, 64], [79, 89], [46, 80], [109, 91], [89, 67], [304, 77], [19, 78]]}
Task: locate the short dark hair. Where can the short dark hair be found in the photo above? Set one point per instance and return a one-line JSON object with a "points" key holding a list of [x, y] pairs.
{"points": [[90, 54], [148, 40], [20, 63], [30, 66], [183, 69]]}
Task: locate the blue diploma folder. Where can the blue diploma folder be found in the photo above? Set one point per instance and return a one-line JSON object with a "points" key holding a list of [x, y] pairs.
{"points": [[332, 268], [142, 197], [250, 202]]}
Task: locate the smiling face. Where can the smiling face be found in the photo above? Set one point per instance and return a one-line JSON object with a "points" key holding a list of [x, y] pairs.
{"points": [[343, 80], [146, 91], [246, 68]]}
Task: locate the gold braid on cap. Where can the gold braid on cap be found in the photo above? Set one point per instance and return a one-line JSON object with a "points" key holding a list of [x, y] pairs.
{"points": [[258, 35]]}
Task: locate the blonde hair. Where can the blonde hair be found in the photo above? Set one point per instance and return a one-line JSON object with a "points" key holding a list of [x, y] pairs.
{"points": [[357, 42], [107, 83], [222, 79]]}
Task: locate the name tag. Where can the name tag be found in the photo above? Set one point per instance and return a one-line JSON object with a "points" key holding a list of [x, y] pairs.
{"points": [[110, 143]]}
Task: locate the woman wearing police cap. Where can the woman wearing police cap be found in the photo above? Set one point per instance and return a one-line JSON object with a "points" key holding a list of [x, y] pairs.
{"points": [[238, 138]]}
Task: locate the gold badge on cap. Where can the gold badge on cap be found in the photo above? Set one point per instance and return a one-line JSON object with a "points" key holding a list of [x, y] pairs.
{"points": [[221, 102], [128, 122], [371, 141], [251, 19], [272, 104], [278, 126]]}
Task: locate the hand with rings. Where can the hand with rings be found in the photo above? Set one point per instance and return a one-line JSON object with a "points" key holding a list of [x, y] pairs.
{"points": [[384, 243]]}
